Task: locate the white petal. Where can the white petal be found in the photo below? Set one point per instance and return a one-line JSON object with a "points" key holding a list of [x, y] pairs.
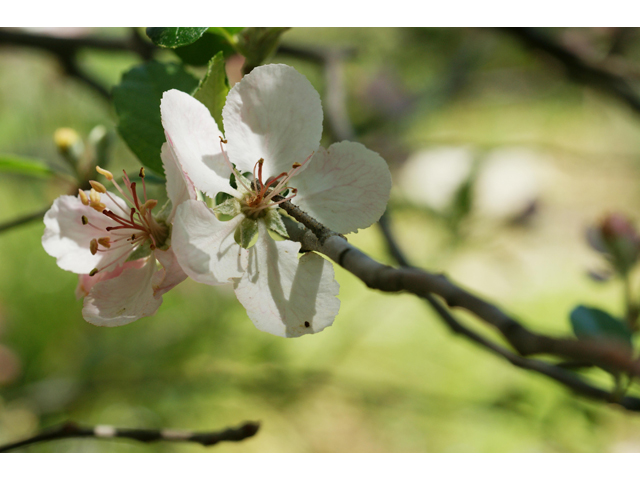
{"points": [[284, 294], [67, 239], [205, 246], [272, 113], [170, 275], [195, 139], [123, 299], [344, 188], [179, 185]]}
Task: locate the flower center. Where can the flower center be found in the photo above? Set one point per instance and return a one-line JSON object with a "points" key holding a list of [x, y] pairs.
{"points": [[260, 195], [130, 227]]}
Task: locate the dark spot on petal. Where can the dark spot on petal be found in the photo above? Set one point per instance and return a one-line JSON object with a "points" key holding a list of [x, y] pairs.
{"points": [[307, 324]]}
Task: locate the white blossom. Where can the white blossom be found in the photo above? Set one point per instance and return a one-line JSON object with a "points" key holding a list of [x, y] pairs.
{"points": [[273, 124]]}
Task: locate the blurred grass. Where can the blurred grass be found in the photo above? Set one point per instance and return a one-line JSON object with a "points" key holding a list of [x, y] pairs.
{"points": [[387, 376]]}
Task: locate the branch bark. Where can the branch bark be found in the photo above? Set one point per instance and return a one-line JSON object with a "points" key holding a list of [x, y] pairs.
{"points": [[73, 430]]}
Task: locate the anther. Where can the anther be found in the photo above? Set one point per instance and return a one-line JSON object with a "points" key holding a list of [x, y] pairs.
{"points": [[94, 196], [83, 197], [98, 206], [93, 272], [149, 204], [106, 173], [85, 220], [105, 242], [141, 174], [222, 140], [93, 246], [296, 165], [98, 186], [152, 246]]}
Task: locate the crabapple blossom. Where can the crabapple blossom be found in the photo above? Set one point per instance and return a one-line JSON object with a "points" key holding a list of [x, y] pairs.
{"points": [[119, 248], [271, 154]]}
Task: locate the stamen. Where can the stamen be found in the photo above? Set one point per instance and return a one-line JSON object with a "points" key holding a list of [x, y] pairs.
{"points": [[93, 272], [104, 172], [149, 204], [98, 186], [85, 220], [93, 246], [105, 242], [141, 174], [94, 196], [98, 207], [83, 197]]}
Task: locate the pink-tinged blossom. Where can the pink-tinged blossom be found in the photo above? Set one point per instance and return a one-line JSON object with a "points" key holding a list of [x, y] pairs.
{"points": [[273, 124], [116, 244]]}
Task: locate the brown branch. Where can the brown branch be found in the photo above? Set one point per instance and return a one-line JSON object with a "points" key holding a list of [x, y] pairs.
{"points": [[73, 430], [425, 285], [578, 69], [23, 220], [66, 49]]}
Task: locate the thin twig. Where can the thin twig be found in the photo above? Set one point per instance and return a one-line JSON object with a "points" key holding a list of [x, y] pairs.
{"points": [[578, 69], [23, 220], [73, 430]]}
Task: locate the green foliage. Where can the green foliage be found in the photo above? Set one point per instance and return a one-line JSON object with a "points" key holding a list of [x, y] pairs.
{"points": [[172, 37], [246, 232], [137, 101], [25, 166], [258, 43], [590, 322], [213, 88], [200, 52]]}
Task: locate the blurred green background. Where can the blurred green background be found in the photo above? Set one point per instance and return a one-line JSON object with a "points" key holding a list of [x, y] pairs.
{"points": [[387, 376]]}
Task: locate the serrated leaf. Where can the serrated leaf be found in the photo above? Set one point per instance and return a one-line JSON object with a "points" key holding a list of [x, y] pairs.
{"points": [[590, 322], [230, 207], [213, 88], [275, 223], [137, 101], [172, 37], [246, 232], [24, 166]]}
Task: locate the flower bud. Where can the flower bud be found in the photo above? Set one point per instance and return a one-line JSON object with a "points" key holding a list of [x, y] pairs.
{"points": [[617, 239]]}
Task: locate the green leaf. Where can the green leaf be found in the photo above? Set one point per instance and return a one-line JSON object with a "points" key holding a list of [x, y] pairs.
{"points": [[25, 166], [137, 101], [225, 31], [230, 208], [200, 52], [213, 88], [258, 43], [246, 232], [590, 322], [275, 223], [172, 37]]}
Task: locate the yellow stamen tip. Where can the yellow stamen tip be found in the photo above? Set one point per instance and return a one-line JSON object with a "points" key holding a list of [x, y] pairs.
{"points": [[83, 197], [98, 186], [296, 165], [65, 138], [94, 196], [222, 140], [93, 272], [98, 207], [105, 242], [85, 220], [141, 174], [150, 204], [261, 161], [104, 172], [93, 246]]}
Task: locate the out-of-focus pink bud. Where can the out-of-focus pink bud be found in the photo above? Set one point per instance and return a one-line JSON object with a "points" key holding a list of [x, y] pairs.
{"points": [[616, 237]]}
